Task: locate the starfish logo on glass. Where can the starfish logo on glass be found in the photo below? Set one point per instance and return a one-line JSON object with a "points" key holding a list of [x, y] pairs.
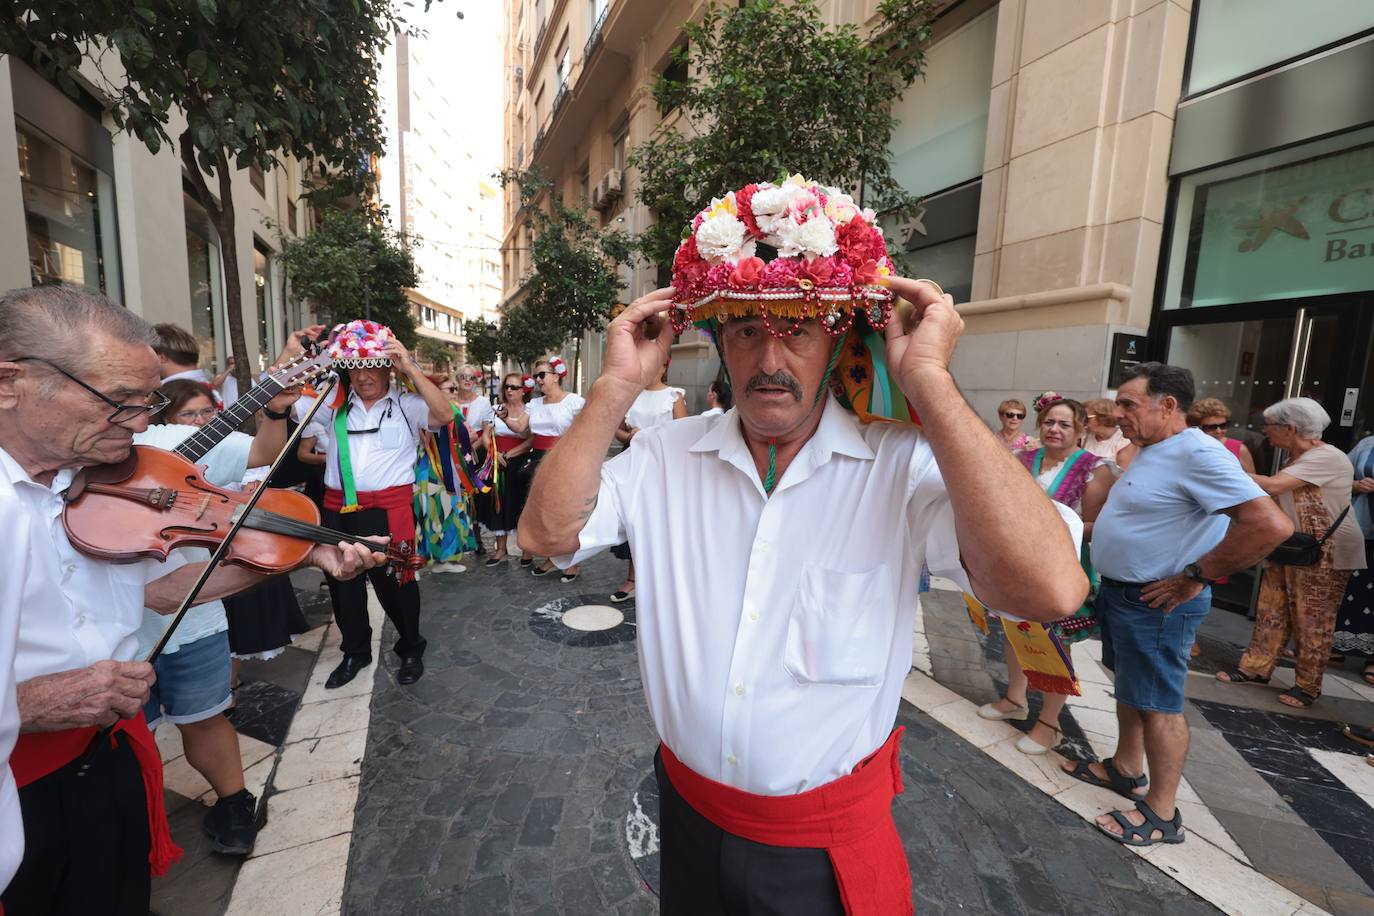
{"points": [[1284, 219]]}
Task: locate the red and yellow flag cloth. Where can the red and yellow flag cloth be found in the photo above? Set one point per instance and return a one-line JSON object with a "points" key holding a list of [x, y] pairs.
{"points": [[1036, 648]]}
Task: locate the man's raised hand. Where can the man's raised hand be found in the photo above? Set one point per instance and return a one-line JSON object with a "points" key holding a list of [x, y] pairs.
{"points": [[638, 341], [924, 338]]}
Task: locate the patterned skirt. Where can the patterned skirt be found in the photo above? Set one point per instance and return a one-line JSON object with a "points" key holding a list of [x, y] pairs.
{"points": [[1355, 616]]}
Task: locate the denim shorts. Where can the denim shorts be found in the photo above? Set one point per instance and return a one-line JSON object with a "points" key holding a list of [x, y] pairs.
{"points": [[192, 683], [1146, 649]]}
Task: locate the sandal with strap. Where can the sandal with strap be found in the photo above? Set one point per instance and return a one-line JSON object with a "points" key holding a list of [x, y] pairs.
{"points": [[1116, 780], [1170, 831], [1301, 698], [1359, 735], [1237, 676], [1029, 746]]}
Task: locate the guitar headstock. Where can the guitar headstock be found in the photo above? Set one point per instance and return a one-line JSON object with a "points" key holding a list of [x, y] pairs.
{"points": [[302, 370]]}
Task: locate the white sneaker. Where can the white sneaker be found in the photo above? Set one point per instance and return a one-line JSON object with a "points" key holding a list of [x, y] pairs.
{"points": [[450, 568], [990, 711]]}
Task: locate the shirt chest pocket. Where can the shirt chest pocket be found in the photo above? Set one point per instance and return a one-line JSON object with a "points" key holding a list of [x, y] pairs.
{"points": [[840, 631], [393, 435]]}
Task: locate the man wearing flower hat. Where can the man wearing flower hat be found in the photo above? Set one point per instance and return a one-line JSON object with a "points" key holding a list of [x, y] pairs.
{"points": [[369, 440], [774, 682]]}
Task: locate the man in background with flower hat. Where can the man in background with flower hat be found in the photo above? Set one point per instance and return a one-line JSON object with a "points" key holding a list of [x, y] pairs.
{"points": [[774, 682], [369, 440]]}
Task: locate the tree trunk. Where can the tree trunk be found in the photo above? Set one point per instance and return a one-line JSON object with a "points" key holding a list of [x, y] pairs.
{"points": [[221, 213], [577, 358]]}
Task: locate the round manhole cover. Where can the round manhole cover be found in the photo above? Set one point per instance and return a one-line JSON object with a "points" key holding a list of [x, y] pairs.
{"points": [[590, 618]]}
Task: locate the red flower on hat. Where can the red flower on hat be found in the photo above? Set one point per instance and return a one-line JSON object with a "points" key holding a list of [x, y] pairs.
{"points": [[747, 273]]}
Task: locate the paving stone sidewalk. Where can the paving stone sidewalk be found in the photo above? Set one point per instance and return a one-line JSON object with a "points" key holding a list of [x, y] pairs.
{"points": [[502, 781]]}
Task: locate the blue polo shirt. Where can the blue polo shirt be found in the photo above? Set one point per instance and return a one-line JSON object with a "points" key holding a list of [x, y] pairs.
{"points": [[1166, 511]]}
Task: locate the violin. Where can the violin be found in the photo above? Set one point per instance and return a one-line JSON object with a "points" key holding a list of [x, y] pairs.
{"points": [[155, 501]]}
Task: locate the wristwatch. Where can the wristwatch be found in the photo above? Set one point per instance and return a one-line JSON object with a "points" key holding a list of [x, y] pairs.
{"points": [[273, 415], [1194, 571]]}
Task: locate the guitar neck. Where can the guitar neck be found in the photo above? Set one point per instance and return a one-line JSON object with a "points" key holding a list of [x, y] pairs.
{"points": [[194, 447]]}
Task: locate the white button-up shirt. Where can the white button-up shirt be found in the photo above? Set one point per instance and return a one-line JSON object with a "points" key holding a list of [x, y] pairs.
{"points": [[381, 459], [59, 610], [775, 632]]}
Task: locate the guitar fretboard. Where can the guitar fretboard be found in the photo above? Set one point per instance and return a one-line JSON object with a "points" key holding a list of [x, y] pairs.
{"points": [[230, 419]]}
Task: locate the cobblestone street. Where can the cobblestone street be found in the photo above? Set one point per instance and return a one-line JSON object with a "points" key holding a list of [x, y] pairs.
{"points": [[516, 777]]}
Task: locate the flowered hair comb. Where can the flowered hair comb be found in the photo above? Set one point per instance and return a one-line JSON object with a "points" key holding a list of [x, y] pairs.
{"points": [[1045, 399]]}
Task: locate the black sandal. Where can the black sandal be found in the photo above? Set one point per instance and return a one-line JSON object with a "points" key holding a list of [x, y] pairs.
{"points": [[1237, 676], [495, 560], [526, 562], [1302, 699], [1359, 735], [1116, 780], [1170, 831]]}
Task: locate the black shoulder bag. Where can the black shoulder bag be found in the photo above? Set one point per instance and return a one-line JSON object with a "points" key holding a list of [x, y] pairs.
{"points": [[1302, 549]]}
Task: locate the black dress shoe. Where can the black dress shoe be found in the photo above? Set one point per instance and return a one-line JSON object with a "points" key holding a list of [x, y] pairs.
{"points": [[233, 823], [348, 669], [411, 669]]}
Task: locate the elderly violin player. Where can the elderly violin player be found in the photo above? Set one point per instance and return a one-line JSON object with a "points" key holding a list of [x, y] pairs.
{"points": [[78, 379], [774, 682]]}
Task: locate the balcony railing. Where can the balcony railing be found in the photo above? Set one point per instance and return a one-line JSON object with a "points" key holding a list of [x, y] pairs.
{"points": [[595, 38], [559, 98], [539, 44]]}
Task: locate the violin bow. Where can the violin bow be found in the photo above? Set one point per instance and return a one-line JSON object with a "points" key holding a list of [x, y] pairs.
{"points": [[243, 517]]}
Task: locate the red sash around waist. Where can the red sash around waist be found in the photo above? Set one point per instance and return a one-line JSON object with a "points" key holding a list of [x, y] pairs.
{"points": [[544, 443], [397, 502], [506, 443], [39, 754], [850, 818]]}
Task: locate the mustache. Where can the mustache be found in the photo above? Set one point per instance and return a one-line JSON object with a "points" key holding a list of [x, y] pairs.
{"points": [[776, 380]]}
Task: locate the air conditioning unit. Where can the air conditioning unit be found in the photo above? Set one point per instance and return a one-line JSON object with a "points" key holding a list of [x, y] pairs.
{"points": [[612, 180], [607, 190], [599, 196]]}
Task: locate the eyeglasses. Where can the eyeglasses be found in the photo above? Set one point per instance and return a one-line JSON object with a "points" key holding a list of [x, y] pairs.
{"points": [[123, 413], [187, 416], [449, 389], [1014, 416], [513, 387], [539, 376], [1213, 427], [467, 378]]}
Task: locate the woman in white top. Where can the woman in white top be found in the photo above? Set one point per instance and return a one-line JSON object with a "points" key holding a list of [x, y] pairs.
{"points": [[546, 420], [719, 398], [512, 452], [653, 406], [466, 395]]}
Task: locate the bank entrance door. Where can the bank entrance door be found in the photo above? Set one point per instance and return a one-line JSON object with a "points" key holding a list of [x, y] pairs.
{"points": [[1251, 356]]}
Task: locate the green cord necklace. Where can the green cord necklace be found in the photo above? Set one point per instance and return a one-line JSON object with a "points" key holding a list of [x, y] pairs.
{"points": [[770, 480]]}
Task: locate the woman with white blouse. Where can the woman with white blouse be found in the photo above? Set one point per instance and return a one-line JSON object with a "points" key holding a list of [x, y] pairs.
{"points": [[546, 419], [512, 452], [653, 406]]}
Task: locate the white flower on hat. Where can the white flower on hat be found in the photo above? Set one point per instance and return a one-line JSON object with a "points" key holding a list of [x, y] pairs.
{"points": [[814, 238], [770, 206], [720, 237]]}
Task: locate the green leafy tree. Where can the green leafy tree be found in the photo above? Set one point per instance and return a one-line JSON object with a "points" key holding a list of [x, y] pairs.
{"points": [[773, 91], [352, 266], [255, 79], [437, 353], [574, 283], [482, 342], [526, 334]]}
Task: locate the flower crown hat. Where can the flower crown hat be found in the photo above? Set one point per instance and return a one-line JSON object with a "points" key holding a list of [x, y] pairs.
{"points": [[359, 344], [787, 253]]}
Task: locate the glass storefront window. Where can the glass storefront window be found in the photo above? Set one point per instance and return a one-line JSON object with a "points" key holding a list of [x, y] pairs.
{"points": [[951, 261], [1287, 225], [1236, 37], [68, 215], [942, 121], [206, 293]]}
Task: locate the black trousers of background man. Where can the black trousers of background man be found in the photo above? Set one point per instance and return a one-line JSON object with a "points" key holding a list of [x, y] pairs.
{"points": [[401, 602], [705, 871], [85, 839]]}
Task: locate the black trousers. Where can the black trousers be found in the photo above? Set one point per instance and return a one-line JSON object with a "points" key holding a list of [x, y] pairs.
{"points": [[708, 872], [85, 840], [401, 602]]}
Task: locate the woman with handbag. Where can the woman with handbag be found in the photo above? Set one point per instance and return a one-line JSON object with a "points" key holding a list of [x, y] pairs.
{"points": [[1304, 579]]}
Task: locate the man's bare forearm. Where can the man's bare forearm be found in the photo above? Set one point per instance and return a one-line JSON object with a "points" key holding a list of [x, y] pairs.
{"points": [[1259, 526], [166, 594], [1015, 546], [565, 488]]}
